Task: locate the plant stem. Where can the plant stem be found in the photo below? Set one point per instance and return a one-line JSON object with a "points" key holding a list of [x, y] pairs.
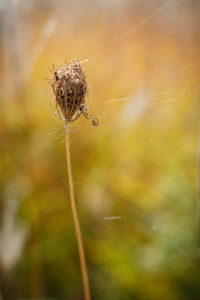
{"points": [[76, 220]]}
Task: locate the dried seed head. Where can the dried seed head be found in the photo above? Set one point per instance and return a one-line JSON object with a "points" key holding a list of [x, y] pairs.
{"points": [[70, 88]]}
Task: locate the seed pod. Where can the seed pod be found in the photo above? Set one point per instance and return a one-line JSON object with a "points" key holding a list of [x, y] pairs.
{"points": [[70, 88]]}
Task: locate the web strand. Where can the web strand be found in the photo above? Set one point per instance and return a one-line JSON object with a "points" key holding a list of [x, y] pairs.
{"points": [[118, 38]]}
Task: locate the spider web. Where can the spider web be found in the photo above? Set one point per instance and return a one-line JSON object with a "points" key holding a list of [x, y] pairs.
{"points": [[133, 104], [136, 102]]}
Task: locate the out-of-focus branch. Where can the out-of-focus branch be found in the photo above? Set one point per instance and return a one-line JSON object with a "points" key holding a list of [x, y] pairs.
{"points": [[45, 35]]}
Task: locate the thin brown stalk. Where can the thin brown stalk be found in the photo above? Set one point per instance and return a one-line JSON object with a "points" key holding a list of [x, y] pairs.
{"points": [[76, 220]]}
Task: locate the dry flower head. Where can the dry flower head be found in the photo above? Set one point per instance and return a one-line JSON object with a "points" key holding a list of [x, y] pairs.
{"points": [[70, 89]]}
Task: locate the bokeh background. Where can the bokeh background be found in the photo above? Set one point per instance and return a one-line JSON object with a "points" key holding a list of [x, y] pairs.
{"points": [[136, 175]]}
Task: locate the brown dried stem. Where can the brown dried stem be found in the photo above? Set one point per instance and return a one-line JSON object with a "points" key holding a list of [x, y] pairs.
{"points": [[76, 220]]}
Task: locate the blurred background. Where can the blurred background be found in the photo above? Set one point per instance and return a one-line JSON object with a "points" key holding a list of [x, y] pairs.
{"points": [[136, 174]]}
